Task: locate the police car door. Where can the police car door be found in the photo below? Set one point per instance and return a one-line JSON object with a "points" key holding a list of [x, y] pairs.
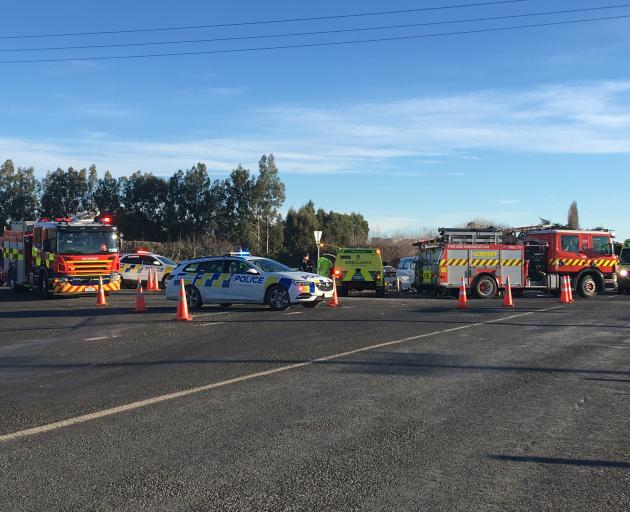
{"points": [[131, 268], [212, 281], [151, 262], [246, 283]]}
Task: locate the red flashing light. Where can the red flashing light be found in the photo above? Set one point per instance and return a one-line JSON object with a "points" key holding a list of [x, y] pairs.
{"points": [[106, 220], [141, 251]]}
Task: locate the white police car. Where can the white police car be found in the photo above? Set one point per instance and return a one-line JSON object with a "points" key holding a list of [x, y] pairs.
{"points": [[137, 265], [241, 278]]}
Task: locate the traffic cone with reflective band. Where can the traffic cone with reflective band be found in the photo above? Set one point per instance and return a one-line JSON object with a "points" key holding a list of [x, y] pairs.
{"points": [[564, 291], [141, 307], [462, 301], [507, 294], [182, 304], [100, 298], [334, 302], [570, 288]]}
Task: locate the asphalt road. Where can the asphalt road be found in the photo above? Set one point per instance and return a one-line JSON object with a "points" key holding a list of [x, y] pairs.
{"points": [[401, 403]]}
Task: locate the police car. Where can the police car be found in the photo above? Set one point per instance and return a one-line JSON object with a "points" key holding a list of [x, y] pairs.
{"points": [[137, 265], [239, 278]]}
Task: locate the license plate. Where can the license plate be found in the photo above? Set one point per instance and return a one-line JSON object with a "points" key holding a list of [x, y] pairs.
{"points": [[90, 288]]}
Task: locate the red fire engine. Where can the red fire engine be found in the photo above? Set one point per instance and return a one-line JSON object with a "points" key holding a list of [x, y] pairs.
{"points": [[534, 258], [62, 255]]}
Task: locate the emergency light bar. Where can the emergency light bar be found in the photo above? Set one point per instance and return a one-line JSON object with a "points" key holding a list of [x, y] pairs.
{"points": [[240, 253]]}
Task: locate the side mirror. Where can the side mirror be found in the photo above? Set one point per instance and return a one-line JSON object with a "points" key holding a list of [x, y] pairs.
{"points": [[252, 271]]}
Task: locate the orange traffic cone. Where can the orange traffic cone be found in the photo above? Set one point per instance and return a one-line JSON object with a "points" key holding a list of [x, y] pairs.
{"points": [[462, 302], [570, 288], [182, 304], [100, 298], [141, 307], [564, 291], [334, 302], [507, 294], [151, 281]]}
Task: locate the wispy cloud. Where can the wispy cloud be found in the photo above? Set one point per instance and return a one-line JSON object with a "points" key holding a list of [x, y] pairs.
{"points": [[400, 136], [96, 109]]}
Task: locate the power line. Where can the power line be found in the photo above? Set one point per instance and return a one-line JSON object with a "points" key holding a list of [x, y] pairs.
{"points": [[266, 22], [314, 45], [318, 32]]}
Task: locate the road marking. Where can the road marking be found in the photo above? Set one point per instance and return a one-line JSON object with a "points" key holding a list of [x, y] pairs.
{"points": [[206, 324], [207, 387], [295, 313], [97, 338], [212, 314]]}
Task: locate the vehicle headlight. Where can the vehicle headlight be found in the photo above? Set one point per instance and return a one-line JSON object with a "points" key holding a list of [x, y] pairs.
{"points": [[623, 273]]}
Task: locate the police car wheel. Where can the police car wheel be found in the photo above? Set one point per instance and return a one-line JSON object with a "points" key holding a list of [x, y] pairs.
{"points": [[225, 305], [193, 297], [278, 298], [163, 283]]}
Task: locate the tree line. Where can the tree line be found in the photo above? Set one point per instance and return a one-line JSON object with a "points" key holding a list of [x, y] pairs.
{"points": [[243, 209]]}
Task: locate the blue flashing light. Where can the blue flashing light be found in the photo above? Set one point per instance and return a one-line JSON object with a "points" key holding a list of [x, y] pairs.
{"points": [[241, 253]]}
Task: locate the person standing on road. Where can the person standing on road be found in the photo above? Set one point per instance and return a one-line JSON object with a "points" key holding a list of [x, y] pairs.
{"points": [[323, 266], [306, 265]]}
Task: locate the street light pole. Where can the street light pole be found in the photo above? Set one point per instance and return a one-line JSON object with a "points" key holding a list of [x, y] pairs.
{"points": [[318, 238]]}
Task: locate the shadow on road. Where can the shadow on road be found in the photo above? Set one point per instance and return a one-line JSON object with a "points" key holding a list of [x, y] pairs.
{"points": [[560, 461], [383, 363]]}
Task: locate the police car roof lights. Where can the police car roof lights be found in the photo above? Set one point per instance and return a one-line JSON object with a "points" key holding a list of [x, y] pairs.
{"points": [[240, 253]]}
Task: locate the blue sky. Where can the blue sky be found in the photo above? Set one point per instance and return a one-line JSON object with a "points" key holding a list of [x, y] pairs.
{"points": [[426, 132]]}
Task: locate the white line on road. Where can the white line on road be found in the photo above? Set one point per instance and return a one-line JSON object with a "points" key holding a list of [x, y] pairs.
{"points": [[98, 338], [207, 387], [206, 324], [295, 313]]}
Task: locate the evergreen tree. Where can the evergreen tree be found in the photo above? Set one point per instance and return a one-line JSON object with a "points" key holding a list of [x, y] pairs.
{"points": [[64, 192], [19, 191], [270, 196], [573, 217], [106, 196]]}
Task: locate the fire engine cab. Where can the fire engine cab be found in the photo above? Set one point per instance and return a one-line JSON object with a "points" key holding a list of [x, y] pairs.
{"points": [[62, 255], [535, 258]]}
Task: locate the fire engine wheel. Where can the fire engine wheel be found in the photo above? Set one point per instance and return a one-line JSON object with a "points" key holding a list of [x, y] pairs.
{"points": [[587, 287], [485, 287]]}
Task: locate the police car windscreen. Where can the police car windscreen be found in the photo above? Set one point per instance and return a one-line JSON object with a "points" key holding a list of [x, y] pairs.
{"points": [[166, 261], [86, 242], [267, 265]]}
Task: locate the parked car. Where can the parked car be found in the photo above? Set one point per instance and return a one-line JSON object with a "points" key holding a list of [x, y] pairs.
{"points": [[391, 278], [407, 268]]}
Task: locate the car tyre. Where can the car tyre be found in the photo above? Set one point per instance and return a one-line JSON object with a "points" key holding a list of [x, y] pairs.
{"points": [[193, 297], [226, 305], [163, 282], [587, 287], [485, 287], [380, 291], [277, 298]]}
